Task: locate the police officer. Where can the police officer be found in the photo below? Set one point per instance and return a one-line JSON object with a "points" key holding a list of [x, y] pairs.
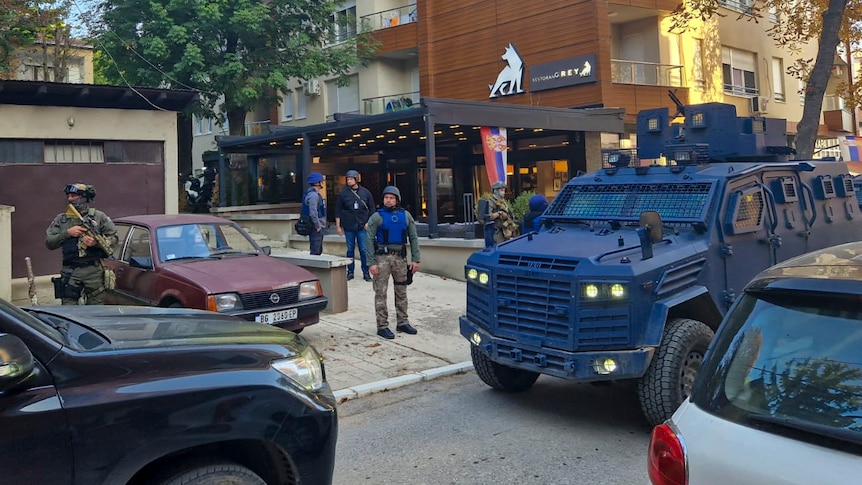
{"points": [[84, 242], [387, 233], [314, 206], [505, 227]]}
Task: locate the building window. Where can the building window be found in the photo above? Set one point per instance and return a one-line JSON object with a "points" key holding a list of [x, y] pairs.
{"points": [[208, 126], [344, 23], [199, 126], [21, 151], [738, 69], [301, 100], [287, 106], [342, 99], [135, 152], [742, 6], [778, 79], [74, 152]]}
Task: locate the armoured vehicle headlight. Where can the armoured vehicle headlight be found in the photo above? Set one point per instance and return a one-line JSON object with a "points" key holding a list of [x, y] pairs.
{"points": [[483, 278], [604, 366], [591, 290], [303, 369], [472, 274], [475, 338], [618, 290], [310, 289], [223, 302]]}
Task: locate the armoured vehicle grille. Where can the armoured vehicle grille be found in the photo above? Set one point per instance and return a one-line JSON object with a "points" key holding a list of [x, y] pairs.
{"points": [[535, 307], [538, 262], [675, 202], [262, 299]]}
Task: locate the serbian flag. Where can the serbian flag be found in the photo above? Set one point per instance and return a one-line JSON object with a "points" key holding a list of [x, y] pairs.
{"points": [[850, 149], [494, 145]]}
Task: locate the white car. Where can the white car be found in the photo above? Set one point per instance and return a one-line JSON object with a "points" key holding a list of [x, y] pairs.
{"points": [[778, 399]]}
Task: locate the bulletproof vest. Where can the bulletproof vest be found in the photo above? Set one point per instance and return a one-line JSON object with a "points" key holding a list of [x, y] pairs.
{"points": [[321, 207], [393, 230], [69, 245]]}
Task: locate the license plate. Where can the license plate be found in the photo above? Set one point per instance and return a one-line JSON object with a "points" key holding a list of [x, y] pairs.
{"points": [[276, 317]]}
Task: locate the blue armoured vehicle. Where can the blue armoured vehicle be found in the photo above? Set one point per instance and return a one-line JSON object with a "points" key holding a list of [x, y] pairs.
{"points": [[636, 265]]}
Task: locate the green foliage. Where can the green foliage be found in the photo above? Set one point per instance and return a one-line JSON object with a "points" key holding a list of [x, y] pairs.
{"points": [[235, 52], [521, 205]]}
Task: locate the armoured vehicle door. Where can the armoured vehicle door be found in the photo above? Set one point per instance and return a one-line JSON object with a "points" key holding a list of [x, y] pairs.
{"points": [[747, 233], [786, 193]]}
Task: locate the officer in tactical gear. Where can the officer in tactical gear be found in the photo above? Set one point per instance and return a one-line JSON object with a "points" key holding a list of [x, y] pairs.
{"points": [[387, 233], [314, 205], [85, 235], [505, 227]]}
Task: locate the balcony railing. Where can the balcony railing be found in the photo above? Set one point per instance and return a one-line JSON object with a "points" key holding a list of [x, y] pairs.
{"points": [[392, 102], [256, 127], [646, 73], [389, 18]]}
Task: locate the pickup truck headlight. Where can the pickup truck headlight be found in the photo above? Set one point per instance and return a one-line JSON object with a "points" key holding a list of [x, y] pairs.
{"points": [[223, 302], [310, 289], [303, 369]]}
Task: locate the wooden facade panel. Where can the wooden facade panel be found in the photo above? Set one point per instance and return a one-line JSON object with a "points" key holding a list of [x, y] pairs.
{"points": [[466, 51], [514, 11], [435, 8], [469, 18], [665, 5], [397, 38]]}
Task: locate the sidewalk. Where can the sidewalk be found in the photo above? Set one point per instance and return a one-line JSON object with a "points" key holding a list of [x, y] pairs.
{"points": [[358, 362]]}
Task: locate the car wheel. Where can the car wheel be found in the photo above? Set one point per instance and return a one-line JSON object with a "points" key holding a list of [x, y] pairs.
{"points": [[211, 473], [501, 377], [674, 366]]}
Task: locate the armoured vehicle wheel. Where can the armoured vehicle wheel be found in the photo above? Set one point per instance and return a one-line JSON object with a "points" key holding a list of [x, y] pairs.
{"points": [[674, 366], [211, 473], [499, 376]]}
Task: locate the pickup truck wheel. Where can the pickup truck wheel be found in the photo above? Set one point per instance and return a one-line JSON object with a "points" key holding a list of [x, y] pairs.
{"points": [[499, 376], [674, 366], [211, 473]]}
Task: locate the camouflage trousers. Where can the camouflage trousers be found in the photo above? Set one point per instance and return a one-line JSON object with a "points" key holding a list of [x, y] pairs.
{"points": [[395, 266], [92, 279]]}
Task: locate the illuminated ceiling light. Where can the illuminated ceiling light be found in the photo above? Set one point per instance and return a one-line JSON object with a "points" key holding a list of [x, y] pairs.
{"points": [[414, 132], [532, 145], [298, 143], [365, 129], [476, 127], [330, 134], [390, 130], [324, 139], [458, 133], [536, 130], [362, 144], [566, 142], [273, 143], [379, 136], [463, 138], [300, 139], [370, 141], [454, 126], [320, 144], [401, 137], [423, 137], [438, 132], [404, 123], [519, 129], [391, 141], [356, 136], [342, 144]]}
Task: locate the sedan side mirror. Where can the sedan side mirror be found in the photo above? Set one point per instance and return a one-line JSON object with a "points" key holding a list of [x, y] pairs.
{"points": [[16, 361], [267, 250], [142, 262]]}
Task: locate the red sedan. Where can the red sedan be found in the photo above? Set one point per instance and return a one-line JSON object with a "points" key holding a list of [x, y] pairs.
{"points": [[209, 263]]}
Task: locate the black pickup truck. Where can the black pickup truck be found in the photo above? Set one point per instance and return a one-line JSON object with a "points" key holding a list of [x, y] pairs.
{"points": [[138, 395]]}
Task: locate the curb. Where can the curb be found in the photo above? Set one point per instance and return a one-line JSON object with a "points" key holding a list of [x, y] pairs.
{"points": [[361, 390]]}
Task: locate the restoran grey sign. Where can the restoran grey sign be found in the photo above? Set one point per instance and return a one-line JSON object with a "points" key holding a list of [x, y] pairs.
{"points": [[568, 72]]}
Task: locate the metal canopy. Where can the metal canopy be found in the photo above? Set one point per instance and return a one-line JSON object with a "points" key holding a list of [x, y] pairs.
{"points": [[41, 93]]}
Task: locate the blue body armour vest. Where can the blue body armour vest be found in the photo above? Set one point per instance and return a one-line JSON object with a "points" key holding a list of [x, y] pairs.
{"points": [[321, 207], [393, 230]]}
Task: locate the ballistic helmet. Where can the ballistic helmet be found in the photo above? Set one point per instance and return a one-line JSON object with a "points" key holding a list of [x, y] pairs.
{"points": [[86, 191], [315, 178], [498, 185], [391, 189], [352, 174]]}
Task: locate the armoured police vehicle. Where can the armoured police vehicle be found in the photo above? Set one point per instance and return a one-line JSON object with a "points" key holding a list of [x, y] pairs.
{"points": [[637, 265]]}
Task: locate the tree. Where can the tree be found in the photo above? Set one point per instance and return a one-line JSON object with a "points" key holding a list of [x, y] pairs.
{"points": [[237, 51], [16, 30], [800, 22]]}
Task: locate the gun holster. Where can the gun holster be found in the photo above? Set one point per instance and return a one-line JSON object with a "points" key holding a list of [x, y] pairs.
{"points": [[409, 280], [63, 288]]}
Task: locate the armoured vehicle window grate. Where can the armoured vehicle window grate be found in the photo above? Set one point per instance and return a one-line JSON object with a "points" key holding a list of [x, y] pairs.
{"points": [[750, 212], [261, 299], [675, 202], [538, 262]]}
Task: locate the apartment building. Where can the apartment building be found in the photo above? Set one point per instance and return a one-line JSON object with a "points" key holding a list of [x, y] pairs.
{"points": [[529, 61]]}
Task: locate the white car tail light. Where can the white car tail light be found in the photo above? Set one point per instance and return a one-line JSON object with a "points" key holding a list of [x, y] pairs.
{"points": [[666, 460]]}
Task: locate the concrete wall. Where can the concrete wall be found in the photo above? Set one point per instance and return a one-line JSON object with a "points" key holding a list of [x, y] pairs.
{"points": [[6, 252]]}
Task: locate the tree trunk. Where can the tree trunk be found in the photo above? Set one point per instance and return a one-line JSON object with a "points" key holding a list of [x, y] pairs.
{"points": [[236, 121], [806, 135]]}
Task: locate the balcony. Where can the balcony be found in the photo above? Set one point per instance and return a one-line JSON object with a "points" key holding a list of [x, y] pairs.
{"points": [[646, 73], [389, 18], [256, 127], [392, 102]]}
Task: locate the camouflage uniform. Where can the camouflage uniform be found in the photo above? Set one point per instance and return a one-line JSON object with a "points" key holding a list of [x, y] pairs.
{"points": [[84, 270], [505, 227], [391, 261]]}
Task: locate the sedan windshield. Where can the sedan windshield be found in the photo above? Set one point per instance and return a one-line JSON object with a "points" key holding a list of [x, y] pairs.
{"points": [[788, 363], [200, 241]]}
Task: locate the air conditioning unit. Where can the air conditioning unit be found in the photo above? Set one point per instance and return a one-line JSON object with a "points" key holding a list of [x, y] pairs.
{"points": [[759, 105], [311, 87]]}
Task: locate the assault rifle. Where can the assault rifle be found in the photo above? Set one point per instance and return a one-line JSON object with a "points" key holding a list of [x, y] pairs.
{"points": [[101, 241]]}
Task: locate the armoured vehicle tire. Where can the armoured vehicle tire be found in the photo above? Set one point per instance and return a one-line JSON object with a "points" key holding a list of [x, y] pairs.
{"points": [[210, 473], [674, 366], [499, 376]]}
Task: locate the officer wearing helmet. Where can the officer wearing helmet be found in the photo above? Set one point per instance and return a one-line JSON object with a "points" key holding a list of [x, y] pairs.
{"points": [[352, 210], [85, 235], [388, 232], [505, 227], [314, 206]]}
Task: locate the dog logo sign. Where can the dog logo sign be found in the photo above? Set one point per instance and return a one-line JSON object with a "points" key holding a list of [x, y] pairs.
{"points": [[510, 78]]}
